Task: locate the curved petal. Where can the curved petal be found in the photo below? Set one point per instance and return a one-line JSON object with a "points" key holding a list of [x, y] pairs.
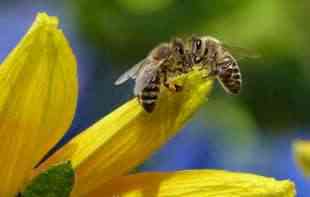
{"points": [[196, 183], [301, 150], [127, 136], [38, 97]]}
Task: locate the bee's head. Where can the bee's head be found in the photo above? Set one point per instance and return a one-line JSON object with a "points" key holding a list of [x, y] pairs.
{"points": [[201, 46], [178, 47], [181, 53], [198, 48]]}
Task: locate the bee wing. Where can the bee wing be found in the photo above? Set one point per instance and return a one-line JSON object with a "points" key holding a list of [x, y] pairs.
{"points": [[131, 73], [241, 53], [148, 73]]}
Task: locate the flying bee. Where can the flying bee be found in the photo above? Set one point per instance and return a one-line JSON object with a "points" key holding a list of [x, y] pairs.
{"points": [[163, 62], [210, 53]]}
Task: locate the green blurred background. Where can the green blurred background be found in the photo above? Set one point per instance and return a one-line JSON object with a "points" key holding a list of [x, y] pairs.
{"points": [[250, 132], [276, 87]]}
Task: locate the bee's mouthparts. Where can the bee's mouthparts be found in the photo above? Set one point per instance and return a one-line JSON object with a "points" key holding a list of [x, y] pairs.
{"points": [[188, 60]]}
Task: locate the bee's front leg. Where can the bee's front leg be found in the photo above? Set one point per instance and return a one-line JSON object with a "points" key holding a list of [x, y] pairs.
{"points": [[169, 85], [211, 66], [173, 87]]}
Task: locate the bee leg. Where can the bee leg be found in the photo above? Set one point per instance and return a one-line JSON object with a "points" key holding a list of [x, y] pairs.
{"points": [[170, 86], [173, 87], [212, 67], [178, 87], [212, 71], [207, 75], [200, 68], [181, 70]]}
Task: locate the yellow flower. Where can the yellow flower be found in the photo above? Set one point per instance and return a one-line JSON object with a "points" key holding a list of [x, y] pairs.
{"points": [[196, 183], [301, 150], [38, 98]]}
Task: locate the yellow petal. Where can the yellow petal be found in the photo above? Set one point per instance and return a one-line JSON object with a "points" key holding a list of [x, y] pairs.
{"points": [[127, 136], [301, 150], [38, 96], [196, 183]]}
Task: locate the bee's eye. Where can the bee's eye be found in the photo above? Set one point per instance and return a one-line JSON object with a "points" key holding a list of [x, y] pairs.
{"points": [[179, 49], [198, 44]]}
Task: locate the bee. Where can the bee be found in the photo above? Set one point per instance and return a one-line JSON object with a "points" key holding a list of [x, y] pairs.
{"points": [[210, 53], [161, 64]]}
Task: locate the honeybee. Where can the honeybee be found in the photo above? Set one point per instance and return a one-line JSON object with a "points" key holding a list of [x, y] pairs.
{"points": [[210, 53], [163, 62], [168, 60]]}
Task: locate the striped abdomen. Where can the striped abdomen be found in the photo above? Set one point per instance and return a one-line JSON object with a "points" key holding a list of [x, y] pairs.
{"points": [[148, 96], [229, 75]]}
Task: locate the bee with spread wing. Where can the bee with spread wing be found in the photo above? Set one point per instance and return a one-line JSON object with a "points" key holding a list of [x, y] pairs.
{"points": [[178, 57]]}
